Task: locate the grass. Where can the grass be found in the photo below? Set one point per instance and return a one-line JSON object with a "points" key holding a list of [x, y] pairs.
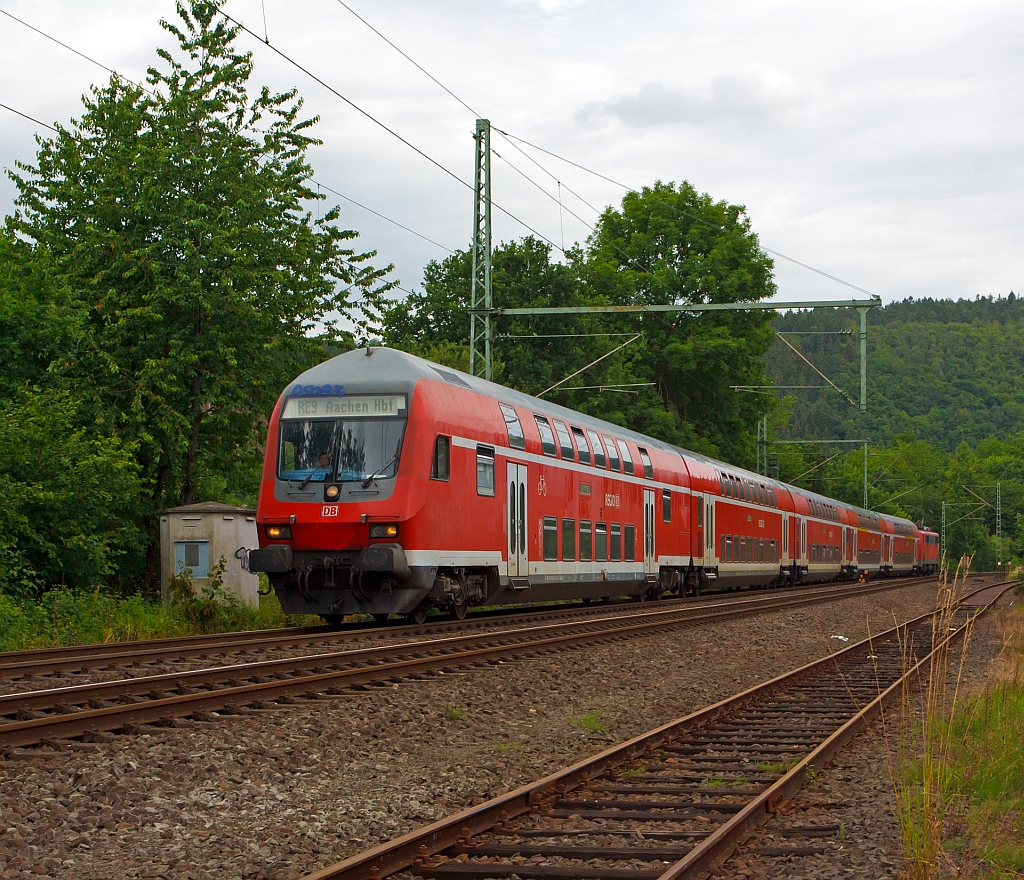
{"points": [[959, 768], [62, 617], [985, 772], [925, 735], [508, 746], [779, 767], [592, 721], [455, 713]]}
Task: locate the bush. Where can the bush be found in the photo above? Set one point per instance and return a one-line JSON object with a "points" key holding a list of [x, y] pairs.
{"points": [[70, 501], [63, 617]]}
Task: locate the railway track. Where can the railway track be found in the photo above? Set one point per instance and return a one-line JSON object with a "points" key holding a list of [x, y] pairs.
{"points": [[81, 659], [87, 709], [672, 803]]}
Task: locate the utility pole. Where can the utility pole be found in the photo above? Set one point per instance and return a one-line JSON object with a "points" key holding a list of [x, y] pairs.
{"points": [[864, 371], [762, 446], [999, 526], [942, 540], [866, 471], [480, 302]]}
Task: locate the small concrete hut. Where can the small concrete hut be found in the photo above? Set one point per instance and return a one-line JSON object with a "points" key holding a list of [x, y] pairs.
{"points": [[195, 538]]}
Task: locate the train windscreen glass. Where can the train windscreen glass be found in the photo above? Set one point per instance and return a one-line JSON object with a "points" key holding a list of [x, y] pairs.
{"points": [[341, 439]]}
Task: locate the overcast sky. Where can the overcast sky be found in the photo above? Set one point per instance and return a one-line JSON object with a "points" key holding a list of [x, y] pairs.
{"points": [[878, 142]]}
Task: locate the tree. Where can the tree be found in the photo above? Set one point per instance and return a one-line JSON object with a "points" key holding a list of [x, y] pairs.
{"points": [[666, 244], [70, 501], [669, 244], [176, 218]]}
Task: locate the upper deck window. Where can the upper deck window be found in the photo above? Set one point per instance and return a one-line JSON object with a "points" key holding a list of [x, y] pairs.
{"points": [[564, 442], [646, 459], [547, 437], [627, 459], [581, 445], [595, 441], [613, 455], [516, 437]]}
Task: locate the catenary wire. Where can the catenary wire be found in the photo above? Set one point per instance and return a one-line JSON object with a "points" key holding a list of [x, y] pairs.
{"points": [[476, 113], [694, 217], [513, 138], [30, 118], [379, 123], [383, 217], [82, 55]]}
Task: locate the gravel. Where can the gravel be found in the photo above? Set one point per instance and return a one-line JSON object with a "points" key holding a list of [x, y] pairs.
{"points": [[278, 793]]}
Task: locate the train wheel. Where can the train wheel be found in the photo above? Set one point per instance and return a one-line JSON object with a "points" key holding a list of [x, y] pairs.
{"points": [[418, 615], [381, 618], [333, 620], [458, 610]]}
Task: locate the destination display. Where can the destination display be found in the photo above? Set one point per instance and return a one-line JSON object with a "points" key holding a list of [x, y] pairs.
{"points": [[353, 406]]}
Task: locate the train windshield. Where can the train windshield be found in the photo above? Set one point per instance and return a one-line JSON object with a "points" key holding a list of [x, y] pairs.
{"points": [[338, 450]]}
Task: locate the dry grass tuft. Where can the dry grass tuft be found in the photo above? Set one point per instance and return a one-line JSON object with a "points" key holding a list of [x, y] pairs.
{"points": [[922, 736]]}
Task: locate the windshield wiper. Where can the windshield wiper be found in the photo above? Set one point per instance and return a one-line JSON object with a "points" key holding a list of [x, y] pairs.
{"points": [[380, 471], [330, 454]]}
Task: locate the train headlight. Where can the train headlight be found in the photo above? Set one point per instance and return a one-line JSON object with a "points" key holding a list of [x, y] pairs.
{"points": [[278, 533], [384, 530], [331, 493]]}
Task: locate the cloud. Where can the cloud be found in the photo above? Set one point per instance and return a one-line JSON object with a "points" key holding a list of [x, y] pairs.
{"points": [[745, 100]]}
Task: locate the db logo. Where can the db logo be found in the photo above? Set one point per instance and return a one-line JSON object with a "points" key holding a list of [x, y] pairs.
{"points": [[542, 486], [329, 510]]}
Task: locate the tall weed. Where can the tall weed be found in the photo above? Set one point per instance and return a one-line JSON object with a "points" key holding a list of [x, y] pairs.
{"points": [[925, 733]]}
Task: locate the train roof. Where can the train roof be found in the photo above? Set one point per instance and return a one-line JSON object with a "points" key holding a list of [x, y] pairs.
{"points": [[384, 367]]}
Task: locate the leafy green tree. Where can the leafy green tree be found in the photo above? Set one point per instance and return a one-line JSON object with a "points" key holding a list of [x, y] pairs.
{"points": [[176, 218], [667, 244]]}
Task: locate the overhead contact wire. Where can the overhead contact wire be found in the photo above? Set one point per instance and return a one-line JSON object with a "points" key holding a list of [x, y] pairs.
{"points": [[380, 124]]}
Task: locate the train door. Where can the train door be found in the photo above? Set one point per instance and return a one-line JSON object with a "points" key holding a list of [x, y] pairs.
{"points": [[709, 531], [843, 551], [649, 556], [785, 536], [697, 528], [803, 538], [518, 540], [794, 542]]}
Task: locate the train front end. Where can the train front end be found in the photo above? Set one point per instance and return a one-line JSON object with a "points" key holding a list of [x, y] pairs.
{"points": [[335, 511]]}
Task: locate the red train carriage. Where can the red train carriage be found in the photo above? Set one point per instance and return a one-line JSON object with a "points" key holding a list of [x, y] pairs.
{"points": [[391, 484]]}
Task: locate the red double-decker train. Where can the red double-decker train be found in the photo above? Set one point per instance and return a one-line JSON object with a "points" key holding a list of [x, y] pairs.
{"points": [[393, 485]]}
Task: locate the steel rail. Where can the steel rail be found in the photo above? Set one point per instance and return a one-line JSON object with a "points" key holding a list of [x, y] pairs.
{"points": [[51, 661], [416, 850], [159, 698]]}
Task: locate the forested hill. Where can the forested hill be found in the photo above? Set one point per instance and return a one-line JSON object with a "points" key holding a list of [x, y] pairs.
{"points": [[947, 372]]}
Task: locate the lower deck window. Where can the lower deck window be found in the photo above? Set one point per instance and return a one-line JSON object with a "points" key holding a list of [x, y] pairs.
{"points": [[586, 538], [630, 540], [550, 539], [602, 543], [616, 538], [569, 540]]}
